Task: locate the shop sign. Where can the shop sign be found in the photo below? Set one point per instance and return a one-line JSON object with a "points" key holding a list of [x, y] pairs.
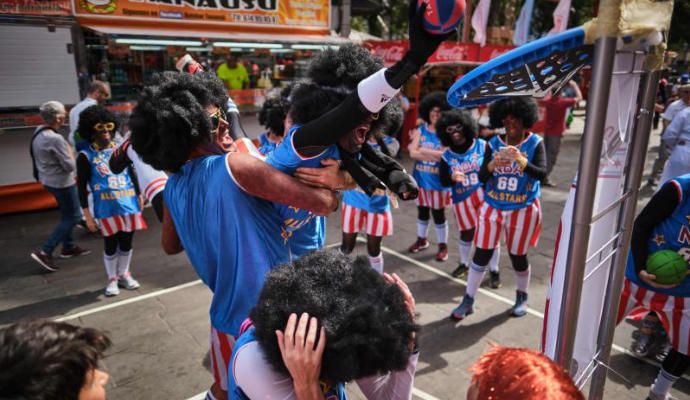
{"points": [[117, 50], [491, 51], [390, 51], [269, 14], [35, 7]]}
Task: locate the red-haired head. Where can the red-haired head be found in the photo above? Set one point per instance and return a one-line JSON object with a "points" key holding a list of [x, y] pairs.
{"points": [[505, 373]]}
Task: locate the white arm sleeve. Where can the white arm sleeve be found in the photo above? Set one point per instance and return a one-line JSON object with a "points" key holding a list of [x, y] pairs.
{"points": [[256, 377], [395, 385], [374, 91]]}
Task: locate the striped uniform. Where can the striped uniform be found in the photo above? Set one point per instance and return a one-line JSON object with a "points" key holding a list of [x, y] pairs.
{"points": [[221, 345], [511, 203], [115, 202], [362, 213], [672, 304], [151, 181], [431, 193], [468, 194]]}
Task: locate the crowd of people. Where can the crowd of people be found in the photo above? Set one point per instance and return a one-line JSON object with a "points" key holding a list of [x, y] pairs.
{"points": [[288, 318]]}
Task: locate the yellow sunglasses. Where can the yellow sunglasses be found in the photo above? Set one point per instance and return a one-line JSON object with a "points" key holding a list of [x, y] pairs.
{"points": [[104, 126]]}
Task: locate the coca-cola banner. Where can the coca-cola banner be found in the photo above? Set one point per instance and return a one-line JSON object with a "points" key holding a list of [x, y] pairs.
{"points": [[392, 51], [450, 52]]}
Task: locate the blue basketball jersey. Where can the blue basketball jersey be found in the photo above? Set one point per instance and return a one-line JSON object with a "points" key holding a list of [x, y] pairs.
{"points": [[297, 221], [231, 238], [113, 194], [265, 145], [469, 163], [508, 188], [335, 392], [426, 172], [357, 198], [673, 233]]}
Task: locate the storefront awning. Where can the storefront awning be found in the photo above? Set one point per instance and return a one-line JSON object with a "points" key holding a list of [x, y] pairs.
{"points": [[214, 34]]}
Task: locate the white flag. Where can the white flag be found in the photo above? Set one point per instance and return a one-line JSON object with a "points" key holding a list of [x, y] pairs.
{"points": [[560, 17], [479, 20], [523, 23]]}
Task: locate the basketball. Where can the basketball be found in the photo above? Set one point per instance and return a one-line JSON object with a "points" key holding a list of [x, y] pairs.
{"points": [[668, 266], [442, 16]]}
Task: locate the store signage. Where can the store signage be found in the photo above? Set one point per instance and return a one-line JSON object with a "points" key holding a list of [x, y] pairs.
{"points": [[309, 15], [491, 51], [35, 7], [393, 51]]}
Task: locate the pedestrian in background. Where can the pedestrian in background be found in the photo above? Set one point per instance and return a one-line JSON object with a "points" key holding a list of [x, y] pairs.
{"points": [[54, 167], [97, 93], [676, 138], [667, 116], [556, 112], [233, 74]]}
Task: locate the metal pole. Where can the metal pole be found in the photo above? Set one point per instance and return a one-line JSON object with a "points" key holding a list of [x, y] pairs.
{"points": [[590, 153], [638, 149], [345, 23]]}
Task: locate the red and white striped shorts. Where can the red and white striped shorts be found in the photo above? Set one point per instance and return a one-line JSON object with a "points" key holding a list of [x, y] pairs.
{"points": [[674, 312], [154, 187], [522, 228], [221, 354], [434, 199], [122, 223], [355, 220], [467, 211]]}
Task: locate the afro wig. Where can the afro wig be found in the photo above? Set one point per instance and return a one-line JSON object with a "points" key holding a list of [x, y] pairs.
{"points": [[456, 117], [367, 324], [345, 67], [391, 118], [272, 114], [431, 100], [90, 117], [523, 108], [170, 118]]}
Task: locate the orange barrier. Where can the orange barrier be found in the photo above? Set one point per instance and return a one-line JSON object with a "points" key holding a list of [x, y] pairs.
{"points": [[25, 197]]}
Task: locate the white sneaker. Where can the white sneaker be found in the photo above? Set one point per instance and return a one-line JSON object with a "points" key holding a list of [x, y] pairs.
{"points": [[112, 289], [126, 281]]}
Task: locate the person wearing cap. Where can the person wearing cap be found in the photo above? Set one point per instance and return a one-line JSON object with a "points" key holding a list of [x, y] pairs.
{"points": [[54, 166]]}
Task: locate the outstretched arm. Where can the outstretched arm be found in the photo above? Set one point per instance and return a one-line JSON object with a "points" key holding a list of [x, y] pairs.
{"points": [[261, 180], [119, 159]]}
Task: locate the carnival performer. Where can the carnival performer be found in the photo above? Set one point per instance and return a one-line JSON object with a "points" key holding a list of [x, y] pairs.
{"points": [[272, 117], [662, 225], [372, 214], [116, 200], [151, 181], [426, 150], [459, 169], [514, 164], [322, 321], [231, 237]]}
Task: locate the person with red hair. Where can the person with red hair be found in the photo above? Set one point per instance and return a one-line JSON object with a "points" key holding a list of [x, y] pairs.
{"points": [[520, 374]]}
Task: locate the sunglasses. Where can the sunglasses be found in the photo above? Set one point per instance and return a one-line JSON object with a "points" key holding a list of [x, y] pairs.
{"points": [[217, 118], [451, 129], [104, 126]]}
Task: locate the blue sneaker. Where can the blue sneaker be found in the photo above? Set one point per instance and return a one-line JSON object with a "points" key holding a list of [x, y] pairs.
{"points": [[520, 307], [465, 308]]}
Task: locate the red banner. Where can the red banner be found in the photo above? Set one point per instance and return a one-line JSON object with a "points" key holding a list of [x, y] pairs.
{"points": [[491, 51], [35, 7], [393, 51], [450, 52]]}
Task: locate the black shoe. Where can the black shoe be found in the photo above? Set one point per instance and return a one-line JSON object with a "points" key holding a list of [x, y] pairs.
{"points": [[460, 272], [494, 279], [548, 183], [75, 251], [45, 260]]}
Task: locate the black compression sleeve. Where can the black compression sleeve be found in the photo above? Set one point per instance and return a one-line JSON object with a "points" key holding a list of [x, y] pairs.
{"points": [[135, 180], [484, 173], [444, 174], [119, 160], [660, 207], [83, 176], [536, 167], [315, 136]]}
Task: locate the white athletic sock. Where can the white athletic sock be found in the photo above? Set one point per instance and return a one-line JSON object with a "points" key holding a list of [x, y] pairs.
{"points": [[110, 265], [493, 262], [377, 263], [522, 279], [662, 384], [422, 228], [474, 279], [464, 249], [124, 258], [442, 232]]}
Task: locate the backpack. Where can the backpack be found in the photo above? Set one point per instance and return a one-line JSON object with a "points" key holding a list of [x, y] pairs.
{"points": [[31, 151]]}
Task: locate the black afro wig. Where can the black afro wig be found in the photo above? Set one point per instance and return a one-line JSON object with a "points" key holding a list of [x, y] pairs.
{"points": [[368, 326], [523, 108], [431, 100], [456, 117], [170, 119], [391, 120], [346, 66], [272, 114], [90, 117]]}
